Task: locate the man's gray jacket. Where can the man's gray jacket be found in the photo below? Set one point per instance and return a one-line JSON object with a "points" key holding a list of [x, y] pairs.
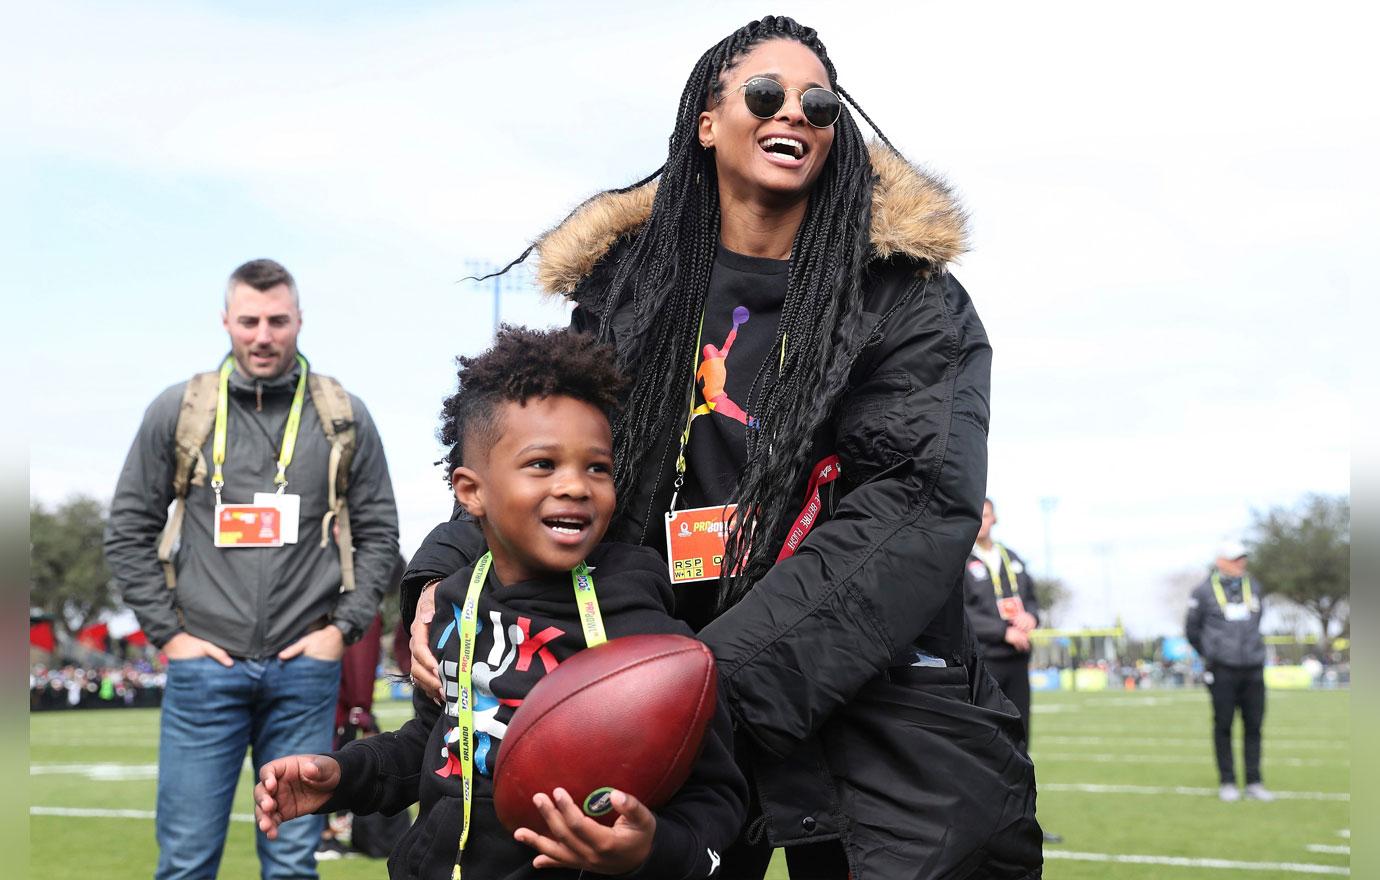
{"points": [[253, 602], [1218, 640]]}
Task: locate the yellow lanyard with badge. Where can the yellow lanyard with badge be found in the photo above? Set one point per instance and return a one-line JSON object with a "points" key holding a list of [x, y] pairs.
{"points": [[1234, 611], [272, 519], [591, 621], [696, 538], [1009, 606]]}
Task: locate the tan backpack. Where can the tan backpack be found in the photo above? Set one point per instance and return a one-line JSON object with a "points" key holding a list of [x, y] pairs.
{"points": [[194, 422]]}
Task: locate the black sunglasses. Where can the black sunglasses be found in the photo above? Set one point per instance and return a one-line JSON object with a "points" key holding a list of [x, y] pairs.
{"points": [[765, 97]]}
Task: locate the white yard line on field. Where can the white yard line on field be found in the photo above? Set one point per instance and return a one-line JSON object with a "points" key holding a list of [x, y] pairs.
{"points": [[1182, 862], [1305, 744], [1118, 703], [94, 813], [97, 772], [1094, 788], [1329, 848], [1176, 759]]}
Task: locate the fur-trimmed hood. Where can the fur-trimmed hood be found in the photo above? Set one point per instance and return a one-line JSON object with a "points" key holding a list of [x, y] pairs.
{"points": [[914, 214]]}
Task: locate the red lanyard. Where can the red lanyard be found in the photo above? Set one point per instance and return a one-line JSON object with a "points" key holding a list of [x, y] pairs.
{"points": [[827, 471]]}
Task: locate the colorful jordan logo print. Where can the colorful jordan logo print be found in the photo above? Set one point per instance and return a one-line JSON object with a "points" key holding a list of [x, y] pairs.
{"points": [[712, 376]]}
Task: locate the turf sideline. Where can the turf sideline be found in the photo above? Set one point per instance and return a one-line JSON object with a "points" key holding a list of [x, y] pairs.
{"points": [[1096, 788], [96, 813], [1182, 862]]}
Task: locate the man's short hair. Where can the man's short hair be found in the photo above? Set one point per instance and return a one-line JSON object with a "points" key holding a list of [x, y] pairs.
{"points": [[523, 364], [261, 275]]}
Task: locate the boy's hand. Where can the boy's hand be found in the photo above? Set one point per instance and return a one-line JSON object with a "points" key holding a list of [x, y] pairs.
{"points": [[579, 842], [293, 786]]}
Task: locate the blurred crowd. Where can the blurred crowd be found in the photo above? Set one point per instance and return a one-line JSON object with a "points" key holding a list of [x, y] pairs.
{"points": [[136, 684]]}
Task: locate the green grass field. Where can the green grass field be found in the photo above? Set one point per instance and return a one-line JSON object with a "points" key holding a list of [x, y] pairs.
{"points": [[1126, 778]]}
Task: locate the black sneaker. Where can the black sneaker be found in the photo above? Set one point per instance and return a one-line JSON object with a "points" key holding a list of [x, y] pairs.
{"points": [[331, 849]]}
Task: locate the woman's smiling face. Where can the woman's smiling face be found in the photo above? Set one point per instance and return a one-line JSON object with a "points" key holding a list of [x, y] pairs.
{"points": [[768, 160]]}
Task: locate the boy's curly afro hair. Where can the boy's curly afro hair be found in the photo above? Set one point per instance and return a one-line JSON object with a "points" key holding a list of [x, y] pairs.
{"points": [[523, 364]]}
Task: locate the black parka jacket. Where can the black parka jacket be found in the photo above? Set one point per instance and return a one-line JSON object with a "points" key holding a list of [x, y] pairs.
{"points": [[921, 772]]}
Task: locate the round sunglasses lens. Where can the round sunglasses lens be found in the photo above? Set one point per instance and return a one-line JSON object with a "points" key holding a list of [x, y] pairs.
{"points": [[764, 97], [821, 107]]}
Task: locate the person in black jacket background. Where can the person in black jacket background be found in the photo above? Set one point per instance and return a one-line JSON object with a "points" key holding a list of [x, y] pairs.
{"points": [[1223, 626], [1000, 599]]}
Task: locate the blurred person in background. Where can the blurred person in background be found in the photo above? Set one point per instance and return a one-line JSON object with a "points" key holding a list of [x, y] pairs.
{"points": [[1224, 628], [999, 597]]}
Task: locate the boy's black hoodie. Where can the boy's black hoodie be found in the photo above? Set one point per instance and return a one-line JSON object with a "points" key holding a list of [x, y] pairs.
{"points": [[538, 627]]}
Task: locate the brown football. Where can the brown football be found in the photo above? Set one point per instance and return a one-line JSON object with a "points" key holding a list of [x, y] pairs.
{"points": [[629, 714]]}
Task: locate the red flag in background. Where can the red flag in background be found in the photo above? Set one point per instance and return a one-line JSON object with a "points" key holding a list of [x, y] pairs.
{"points": [[41, 636], [93, 636]]}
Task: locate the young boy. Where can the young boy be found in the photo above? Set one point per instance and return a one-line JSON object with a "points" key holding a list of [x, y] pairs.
{"points": [[531, 459]]}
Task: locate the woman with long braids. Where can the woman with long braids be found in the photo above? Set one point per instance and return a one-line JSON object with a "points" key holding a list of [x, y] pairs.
{"points": [[779, 290]]}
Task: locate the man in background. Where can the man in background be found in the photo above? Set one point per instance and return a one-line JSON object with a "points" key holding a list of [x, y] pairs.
{"points": [[1000, 600], [1224, 628], [281, 541], [999, 597]]}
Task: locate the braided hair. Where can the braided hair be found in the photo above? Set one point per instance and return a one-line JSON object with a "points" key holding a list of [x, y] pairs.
{"points": [[663, 277]]}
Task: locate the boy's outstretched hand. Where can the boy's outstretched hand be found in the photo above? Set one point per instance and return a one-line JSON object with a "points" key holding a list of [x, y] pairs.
{"points": [[293, 786], [579, 842]]}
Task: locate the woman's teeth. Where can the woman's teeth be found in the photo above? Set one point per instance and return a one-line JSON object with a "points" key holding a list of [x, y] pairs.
{"points": [[796, 148]]}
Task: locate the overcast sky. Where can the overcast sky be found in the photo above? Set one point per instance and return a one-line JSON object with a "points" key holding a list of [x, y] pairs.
{"points": [[1169, 205]]}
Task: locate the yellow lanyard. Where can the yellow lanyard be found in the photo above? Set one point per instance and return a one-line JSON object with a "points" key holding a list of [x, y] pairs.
{"points": [[591, 621], [690, 418], [1222, 596], [996, 575], [294, 421]]}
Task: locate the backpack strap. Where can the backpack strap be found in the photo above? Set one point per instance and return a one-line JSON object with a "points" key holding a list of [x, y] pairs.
{"points": [[194, 420], [337, 417]]}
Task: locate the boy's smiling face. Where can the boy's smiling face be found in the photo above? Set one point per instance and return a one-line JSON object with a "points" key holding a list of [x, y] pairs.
{"points": [[543, 491]]}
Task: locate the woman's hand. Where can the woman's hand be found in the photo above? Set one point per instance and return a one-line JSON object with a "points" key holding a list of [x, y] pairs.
{"points": [[580, 843], [426, 675]]}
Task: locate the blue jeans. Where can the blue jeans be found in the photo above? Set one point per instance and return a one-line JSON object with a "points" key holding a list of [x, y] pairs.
{"points": [[211, 716]]}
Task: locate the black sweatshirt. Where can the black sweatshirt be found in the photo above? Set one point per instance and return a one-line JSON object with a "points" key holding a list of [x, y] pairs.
{"points": [[538, 627]]}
